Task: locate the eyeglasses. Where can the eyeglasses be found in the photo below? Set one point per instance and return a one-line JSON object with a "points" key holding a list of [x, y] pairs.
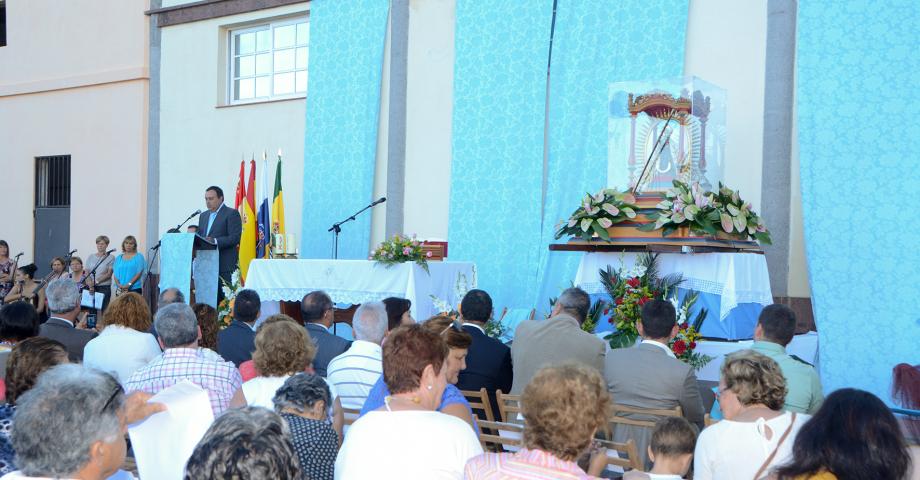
{"points": [[455, 324], [111, 399]]}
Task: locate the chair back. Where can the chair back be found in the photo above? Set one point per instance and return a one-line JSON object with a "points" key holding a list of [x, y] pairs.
{"points": [[492, 439], [617, 418], [479, 400], [509, 406], [628, 449]]}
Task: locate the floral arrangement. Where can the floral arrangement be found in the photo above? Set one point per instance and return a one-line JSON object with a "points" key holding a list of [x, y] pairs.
{"points": [[597, 213], [399, 249], [712, 213], [735, 215], [225, 307], [632, 289]]}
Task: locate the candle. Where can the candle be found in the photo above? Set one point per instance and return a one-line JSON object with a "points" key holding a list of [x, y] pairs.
{"points": [[279, 153], [264, 155], [289, 244]]}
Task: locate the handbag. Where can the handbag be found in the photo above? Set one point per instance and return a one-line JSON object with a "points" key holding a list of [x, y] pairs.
{"points": [[769, 459]]}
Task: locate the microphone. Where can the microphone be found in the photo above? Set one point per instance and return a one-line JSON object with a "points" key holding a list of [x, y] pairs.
{"points": [[110, 251], [379, 201], [19, 254], [197, 212], [70, 253]]}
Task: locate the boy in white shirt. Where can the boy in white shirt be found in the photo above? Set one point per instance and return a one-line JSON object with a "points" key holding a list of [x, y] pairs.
{"points": [[671, 450]]}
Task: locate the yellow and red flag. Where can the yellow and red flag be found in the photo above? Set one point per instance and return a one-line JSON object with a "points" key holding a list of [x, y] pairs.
{"points": [[247, 213]]}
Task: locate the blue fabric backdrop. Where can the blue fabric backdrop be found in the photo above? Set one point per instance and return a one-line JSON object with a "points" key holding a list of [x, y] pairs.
{"points": [[857, 81], [596, 43], [502, 49], [343, 101]]}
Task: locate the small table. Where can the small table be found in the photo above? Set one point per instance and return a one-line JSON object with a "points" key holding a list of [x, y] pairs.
{"points": [[360, 281]]}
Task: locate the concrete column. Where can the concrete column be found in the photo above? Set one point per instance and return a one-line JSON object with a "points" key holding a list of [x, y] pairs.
{"points": [[396, 144]]}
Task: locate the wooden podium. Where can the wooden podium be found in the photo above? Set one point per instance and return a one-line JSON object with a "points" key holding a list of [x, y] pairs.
{"points": [[186, 256]]}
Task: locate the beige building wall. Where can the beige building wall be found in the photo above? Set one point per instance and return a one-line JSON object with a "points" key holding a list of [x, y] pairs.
{"points": [[66, 89]]}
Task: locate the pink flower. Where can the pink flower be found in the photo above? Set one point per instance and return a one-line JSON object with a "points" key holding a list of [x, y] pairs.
{"points": [[407, 251], [428, 254]]}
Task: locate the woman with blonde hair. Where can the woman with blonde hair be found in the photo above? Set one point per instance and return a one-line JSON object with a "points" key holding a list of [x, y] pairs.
{"points": [[284, 348], [564, 406], [124, 345], [129, 267], [756, 434]]}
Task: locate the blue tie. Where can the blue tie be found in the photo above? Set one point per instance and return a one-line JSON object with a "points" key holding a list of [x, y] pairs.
{"points": [[211, 218]]}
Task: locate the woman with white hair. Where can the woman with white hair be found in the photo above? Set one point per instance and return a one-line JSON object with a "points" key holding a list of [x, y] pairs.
{"points": [[71, 424], [302, 403]]}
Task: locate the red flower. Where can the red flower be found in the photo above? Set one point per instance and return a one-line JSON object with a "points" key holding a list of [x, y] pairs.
{"points": [[684, 326], [692, 345], [633, 282], [619, 301], [643, 301], [606, 311], [679, 347]]}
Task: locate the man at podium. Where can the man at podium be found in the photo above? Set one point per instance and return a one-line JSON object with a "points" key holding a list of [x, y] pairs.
{"points": [[222, 225]]}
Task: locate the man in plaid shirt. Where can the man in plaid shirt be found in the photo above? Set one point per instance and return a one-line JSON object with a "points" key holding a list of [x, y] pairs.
{"points": [[183, 360]]}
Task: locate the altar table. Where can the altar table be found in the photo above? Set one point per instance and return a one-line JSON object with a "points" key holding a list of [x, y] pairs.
{"points": [[360, 281], [734, 287]]}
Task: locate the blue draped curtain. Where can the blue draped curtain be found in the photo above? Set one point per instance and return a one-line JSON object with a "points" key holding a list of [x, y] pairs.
{"points": [[343, 103], [596, 43], [502, 47], [857, 71]]}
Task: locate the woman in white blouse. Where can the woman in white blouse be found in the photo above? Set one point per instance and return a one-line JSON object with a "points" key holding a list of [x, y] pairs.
{"points": [[407, 437], [283, 348], [756, 434], [124, 344]]}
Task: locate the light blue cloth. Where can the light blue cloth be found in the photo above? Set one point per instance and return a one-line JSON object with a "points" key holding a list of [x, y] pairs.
{"points": [[502, 48], [124, 270], [346, 63], [857, 71], [176, 262], [596, 43]]}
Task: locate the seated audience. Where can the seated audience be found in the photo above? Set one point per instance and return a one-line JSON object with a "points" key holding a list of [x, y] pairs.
{"points": [[452, 401], [72, 424], [283, 349], [756, 434], [236, 342], [671, 450], [63, 326], [182, 359], [317, 312], [356, 371], [28, 360], [18, 321], [302, 402], [248, 369], [24, 289], [124, 345], [556, 340], [170, 295], [207, 322], [430, 444], [775, 329], [398, 313], [248, 443], [488, 362], [648, 375], [563, 406], [852, 436]]}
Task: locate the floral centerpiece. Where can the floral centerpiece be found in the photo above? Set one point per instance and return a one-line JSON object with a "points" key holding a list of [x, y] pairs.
{"points": [[736, 216], [400, 249], [225, 307], [631, 289], [597, 213]]}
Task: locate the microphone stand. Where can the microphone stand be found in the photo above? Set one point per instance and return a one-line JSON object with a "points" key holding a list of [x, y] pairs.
{"points": [[156, 251], [92, 273], [336, 228]]}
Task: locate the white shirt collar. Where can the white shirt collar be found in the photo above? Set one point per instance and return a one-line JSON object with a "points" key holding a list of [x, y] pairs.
{"points": [[365, 346], [477, 327], [63, 320], [661, 346]]}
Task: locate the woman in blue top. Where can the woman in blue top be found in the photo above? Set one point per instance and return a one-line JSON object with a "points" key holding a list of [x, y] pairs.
{"points": [[452, 401], [129, 267]]}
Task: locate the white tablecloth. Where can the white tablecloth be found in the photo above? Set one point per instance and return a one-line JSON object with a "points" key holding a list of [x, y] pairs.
{"points": [[359, 281], [736, 277], [804, 346]]}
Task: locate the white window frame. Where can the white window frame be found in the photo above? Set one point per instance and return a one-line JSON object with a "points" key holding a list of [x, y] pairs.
{"points": [[232, 54]]}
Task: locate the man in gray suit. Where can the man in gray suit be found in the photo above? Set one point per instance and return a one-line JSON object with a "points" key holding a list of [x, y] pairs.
{"points": [[648, 375], [558, 339], [221, 224], [64, 303], [316, 309]]}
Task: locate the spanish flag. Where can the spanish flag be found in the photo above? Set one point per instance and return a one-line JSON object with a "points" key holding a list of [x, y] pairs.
{"points": [[278, 207], [247, 213]]}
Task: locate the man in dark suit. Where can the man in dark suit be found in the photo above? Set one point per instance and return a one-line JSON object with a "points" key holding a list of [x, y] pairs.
{"points": [[237, 342], [317, 311], [64, 303], [649, 375], [221, 224], [488, 361]]}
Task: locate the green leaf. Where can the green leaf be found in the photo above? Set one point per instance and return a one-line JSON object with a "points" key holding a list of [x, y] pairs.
{"points": [[646, 227], [763, 237], [630, 213], [600, 231], [665, 231], [733, 210], [740, 223]]}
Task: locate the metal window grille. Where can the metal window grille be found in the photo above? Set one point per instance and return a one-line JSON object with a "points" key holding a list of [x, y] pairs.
{"points": [[52, 181]]}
